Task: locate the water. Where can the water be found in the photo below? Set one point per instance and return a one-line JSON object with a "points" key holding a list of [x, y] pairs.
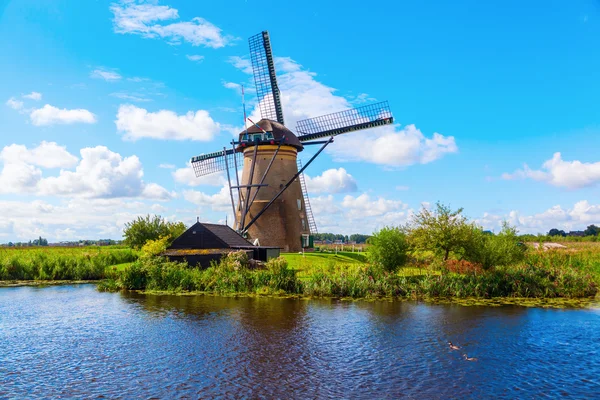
{"points": [[72, 341]]}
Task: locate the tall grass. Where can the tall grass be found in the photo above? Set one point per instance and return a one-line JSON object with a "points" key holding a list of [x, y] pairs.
{"points": [[51, 263], [233, 275]]}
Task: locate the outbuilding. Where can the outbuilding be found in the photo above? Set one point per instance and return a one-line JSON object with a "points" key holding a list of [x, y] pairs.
{"points": [[204, 242]]}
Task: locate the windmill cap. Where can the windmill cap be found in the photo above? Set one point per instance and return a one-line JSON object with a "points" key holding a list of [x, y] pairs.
{"points": [[278, 130]]}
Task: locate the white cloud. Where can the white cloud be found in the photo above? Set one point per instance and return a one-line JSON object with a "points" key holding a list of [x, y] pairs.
{"points": [[187, 177], [103, 174], [402, 187], [578, 217], [100, 173], [20, 172], [70, 219], [232, 85], [149, 20], [195, 57], [303, 96], [241, 63], [106, 74], [357, 214], [331, 181], [130, 97], [49, 115], [33, 96], [391, 146], [364, 206], [14, 104], [166, 166], [220, 201], [46, 155], [557, 172], [136, 123]]}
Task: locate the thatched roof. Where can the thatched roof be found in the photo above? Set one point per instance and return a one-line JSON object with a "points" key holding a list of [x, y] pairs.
{"points": [[279, 131]]}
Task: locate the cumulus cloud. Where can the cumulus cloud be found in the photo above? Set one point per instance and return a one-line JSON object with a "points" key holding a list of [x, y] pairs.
{"points": [[561, 173], [106, 74], [150, 20], [50, 115], [100, 173], [357, 214], [220, 201], [331, 181], [195, 57], [70, 219], [137, 123], [33, 96], [577, 217], [14, 104], [392, 146], [166, 166], [187, 177], [303, 96]]}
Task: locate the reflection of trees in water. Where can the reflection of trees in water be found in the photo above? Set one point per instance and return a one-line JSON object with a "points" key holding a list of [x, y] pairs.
{"points": [[260, 342]]}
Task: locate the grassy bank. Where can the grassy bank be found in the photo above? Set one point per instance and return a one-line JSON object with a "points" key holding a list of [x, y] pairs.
{"points": [[544, 275], [57, 263]]}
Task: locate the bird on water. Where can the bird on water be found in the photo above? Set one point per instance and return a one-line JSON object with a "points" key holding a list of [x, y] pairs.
{"points": [[467, 358], [453, 346]]}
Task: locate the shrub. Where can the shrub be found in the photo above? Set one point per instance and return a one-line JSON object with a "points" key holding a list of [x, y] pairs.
{"points": [[441, 231], [143, 229], [389, 248], [494, 250]]}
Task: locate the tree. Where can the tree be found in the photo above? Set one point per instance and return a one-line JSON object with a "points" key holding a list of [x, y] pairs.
{"points": [[592, 230], [142, 229], [505, 248], [441, 231], [556, 232], [388, 248]]}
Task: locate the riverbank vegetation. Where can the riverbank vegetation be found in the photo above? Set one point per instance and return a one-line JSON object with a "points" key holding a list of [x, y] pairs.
{"points": [[439, 254], [59, 263]]}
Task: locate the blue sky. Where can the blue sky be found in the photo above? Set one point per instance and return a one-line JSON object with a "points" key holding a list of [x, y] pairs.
{"points": [[103, 103]]}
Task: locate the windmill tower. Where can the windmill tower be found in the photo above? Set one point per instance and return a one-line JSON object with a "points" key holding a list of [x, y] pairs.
{"points": [[272, 203]]}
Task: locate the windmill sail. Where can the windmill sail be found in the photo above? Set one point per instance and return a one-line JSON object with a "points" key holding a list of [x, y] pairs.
{"points": [[206, 164], [369, 116], [267, 91]]}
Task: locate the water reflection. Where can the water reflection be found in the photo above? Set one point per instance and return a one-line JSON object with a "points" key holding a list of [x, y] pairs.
{"points": [[76, 342]]}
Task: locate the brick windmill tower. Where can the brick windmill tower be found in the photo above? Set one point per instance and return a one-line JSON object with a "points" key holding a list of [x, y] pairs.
{"points": [[272, 202]]}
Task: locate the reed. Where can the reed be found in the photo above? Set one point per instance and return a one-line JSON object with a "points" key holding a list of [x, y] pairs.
{"points": [[53, 263]]}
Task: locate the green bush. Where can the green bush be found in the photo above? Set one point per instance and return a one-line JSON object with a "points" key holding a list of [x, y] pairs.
{"points": [[494, 250], [389, 248]]}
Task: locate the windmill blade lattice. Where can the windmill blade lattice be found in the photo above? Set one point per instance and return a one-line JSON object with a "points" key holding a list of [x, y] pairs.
{"points": [[215, 162], [365, 117], [267, 91]]}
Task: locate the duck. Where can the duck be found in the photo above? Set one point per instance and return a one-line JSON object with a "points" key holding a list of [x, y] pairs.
{"points": [[453, 346], [467, 358]]}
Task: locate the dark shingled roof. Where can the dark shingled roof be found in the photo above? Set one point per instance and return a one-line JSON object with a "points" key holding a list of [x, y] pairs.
{"points": [[209, 236], [278, 130]]}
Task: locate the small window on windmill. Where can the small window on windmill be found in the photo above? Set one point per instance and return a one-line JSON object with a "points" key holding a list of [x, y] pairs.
{"points": [[193, 232], [303, 224], [299, 204]]}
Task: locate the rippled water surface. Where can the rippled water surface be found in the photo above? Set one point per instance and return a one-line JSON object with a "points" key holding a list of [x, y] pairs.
{"points": [[73, 341]]}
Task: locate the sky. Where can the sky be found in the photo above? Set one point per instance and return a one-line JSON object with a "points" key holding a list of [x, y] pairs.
{"points": [[103, 103]]}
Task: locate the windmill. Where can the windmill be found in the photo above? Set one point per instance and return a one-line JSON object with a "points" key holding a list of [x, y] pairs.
{"points": [[272, 202]]}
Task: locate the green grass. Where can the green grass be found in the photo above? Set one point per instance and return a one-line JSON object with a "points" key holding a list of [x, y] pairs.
{"points": [[60, 263]]}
